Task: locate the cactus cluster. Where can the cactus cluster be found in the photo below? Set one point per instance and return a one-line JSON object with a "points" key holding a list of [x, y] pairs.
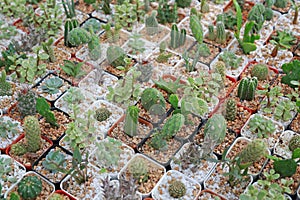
{"points": [[177, 189], [211, 32], [231, 110], [220, 68], [139, 170], [166, 13], [102, 114], [151, 97], [71, 21], [246, 88], [26, 102], [253, 151], [56, 196], [178, 37], [261, 71], [151, 23], [115, 56], [30, 187], [294, 142], [131, 121], [5, 87]]}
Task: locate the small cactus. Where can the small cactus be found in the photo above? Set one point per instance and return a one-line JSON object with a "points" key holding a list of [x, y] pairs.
{"points": [[177, 37], [294, 142], [221, 33], [211, 32], [280, 3], [102, 114], [32, 133], [183, 3], [215, 128], [131, 121], [30, 187], [261, 71], [151, 97], [53, 160], [246, 88], [26, 102], [177, 189], [56, 196], [146, 72], [5, 87], [157, 142], [172, 126], [78, 36], [253, 151], [151, 23], [231, 110], [115, 56], [139, 170], [18, 149], [220, 68]]}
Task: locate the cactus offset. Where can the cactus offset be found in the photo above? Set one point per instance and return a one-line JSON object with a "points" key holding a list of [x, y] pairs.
{"points": [[115, 56], [131, 121], [253, 151], [102, 114], [231, 110], [221, 34], [294, 142], [26, 102], [18, 149], [157, 142], [246, 88], [32, 133], [261, 71], [30, 187], [177, 37], [139, 170], [5, 87], [172, 126], [177, 189], [152, 96], [151, 23]]}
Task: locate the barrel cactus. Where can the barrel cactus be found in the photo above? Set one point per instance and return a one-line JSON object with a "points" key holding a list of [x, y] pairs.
{"points": [[102, 114], [30, 187], [151, 97], [294, 142], [254, 151], [177, 189], [231, 110], [246, 88], [115, 56], [26, 102], [261, 71]]}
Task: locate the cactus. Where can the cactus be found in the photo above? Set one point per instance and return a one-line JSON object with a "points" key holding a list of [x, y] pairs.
{"points": [[294, 142], [56, 196], [221, 34], [26, 102], [183, 3], [231, 110], [152, 96], [146, 72], [131, 121], [54, 160], [94, 48], [102, 114], [204, 6], [158, 143], [18, 149], [165, 13], [177, 37], [246, 88], [139, 170], [220, 68], [32, 133], [71, 21], [47, 47], [115, 56], [253, 151], [30, 187], [204, 51], [78, 36], [196, 28], [177, 189], [261, 71], [172, 126], [5, 87], [280, 3], [151, 23], [211, 32]]}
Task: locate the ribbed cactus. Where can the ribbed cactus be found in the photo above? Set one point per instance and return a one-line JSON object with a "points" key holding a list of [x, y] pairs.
{"points": [[220, 68], [5, 87], [183, 3], [196, 28], [211, 32], [177, 189], [115, 56], [254, 151], [131, 121], [204, 6], [221, 33], [151, 97], [280, 3], [139, 169], [294, 142], [146, 72], [32, 133], [30, 187], [94, 47], [177, 37], [231, 110], [260, 71], [78, 36], [172, 126], [71, 21], [102, 114], [246, 88], [151, 23], [56, 196], [26, 102]]}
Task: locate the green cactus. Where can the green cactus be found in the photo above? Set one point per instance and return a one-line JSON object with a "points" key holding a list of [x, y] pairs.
{"points": [[177, 189], [196, 28], [221, 34], [79, 36], [18, 149], [30, 187], [172, 126], [204, 50], [150, 97], [220, 68], [261, 71], [5, 87], [94, 47], [177, 37], [115, 56], [183, 3], [56, 196], [131, 121], [151, 23], [102, 114], [280, 3], [166, 14], [253, 152], [231, 110], [268, 14], [26, 102], [246, 88], [204, 6], [146, 72], [139, 170], [32, 133], [294, 142], [71, 21], [158, 143], [211, 32]]}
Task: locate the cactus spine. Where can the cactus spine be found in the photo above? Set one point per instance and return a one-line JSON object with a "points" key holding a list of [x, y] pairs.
{"points": [[102, 114], [294, 142], [5, 87], [152, 96], [246, 88], [151, 23], [26, 102], [177, 189], [30, 187], [177, 37], [196, 28], [131, 121], [172, 126], [221, 34], [253, 151], [261, 71], [71, 21], [115, 56], [211, 32], [231, 110]]}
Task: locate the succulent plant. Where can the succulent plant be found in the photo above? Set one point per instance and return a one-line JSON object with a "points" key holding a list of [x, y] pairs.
{"points": [[294, 143], [231, 110], [52, 85], [246, 88], [18, 149], [151, 97], [53, 160], [131, 121], [102, 114], [56, 196], [30, 187], [261, 126], [139, 170], [26, 102], [255, 150], [178, 37], [146, 72], [221, 33], [151, 23], [261, 71], [177, 189], [115, 56], [157, 142], [5, 87]]}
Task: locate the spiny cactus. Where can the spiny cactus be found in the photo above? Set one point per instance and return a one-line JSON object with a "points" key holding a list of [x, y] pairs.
{"points": [[253, 151], [30, 187], [172, 126], [151, 23], [5, 87], [18, 149], [131, 121], [102, 114], [48, 48], [78, 36], [157, 142], [146, 72], [294, 142], [177, 189], [231, 110], [261, 71], [183, 3], [177, 37], [115, 56], [246, 88], [220, 68], [280, 3], [26, 102], [56, 196], [204, 6], [139, 170], [32, 133], [221, 33], [211, 32], [152, 96]]}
